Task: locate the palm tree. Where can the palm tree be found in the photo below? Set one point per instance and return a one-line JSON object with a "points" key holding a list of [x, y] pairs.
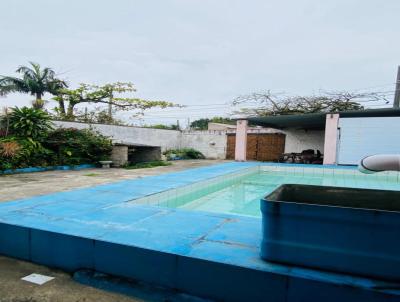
{"points": [[35, 81]]}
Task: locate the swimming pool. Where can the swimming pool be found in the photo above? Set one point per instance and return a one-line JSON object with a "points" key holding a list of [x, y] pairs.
{"points": [[106, 228], [240, 193]]}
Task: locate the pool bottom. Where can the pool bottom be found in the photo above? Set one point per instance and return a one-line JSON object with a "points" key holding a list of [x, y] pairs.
{"points": [[241, 194]]}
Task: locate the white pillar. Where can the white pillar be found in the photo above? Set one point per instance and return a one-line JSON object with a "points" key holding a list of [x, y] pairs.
{"points": [[241, 140], [331, 138]]}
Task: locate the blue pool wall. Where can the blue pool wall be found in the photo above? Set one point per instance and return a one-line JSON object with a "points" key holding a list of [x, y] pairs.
{"points": [[214, 279], [211, 255]]}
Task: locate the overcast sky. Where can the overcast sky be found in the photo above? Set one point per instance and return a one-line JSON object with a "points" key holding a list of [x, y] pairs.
{"points": [[205, 52]]}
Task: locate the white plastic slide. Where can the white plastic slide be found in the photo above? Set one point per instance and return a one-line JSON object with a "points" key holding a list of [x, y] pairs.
{"points": [[379, 163]]}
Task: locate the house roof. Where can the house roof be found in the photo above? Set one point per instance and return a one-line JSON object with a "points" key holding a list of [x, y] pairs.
{"points": [[316, 121]]}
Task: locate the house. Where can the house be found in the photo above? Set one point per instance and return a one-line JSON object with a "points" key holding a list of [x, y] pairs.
{"points": [[344, 138]]}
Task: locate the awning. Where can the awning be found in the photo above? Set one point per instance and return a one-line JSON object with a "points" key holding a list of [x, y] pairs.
{"points": [[315, 121]]}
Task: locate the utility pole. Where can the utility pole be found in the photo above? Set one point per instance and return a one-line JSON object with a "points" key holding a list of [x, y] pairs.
{"points": [[396, 102]]}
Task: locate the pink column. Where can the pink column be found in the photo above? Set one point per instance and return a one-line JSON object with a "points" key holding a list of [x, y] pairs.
{"points": [[331, 138], [241, 140]]}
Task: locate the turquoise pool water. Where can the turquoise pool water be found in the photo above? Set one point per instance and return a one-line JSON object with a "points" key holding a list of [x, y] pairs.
{"points": [[242, 196]]}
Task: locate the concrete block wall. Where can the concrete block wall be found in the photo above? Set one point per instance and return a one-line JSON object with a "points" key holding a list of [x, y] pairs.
{"points": [[119, 155], [211, 143]]}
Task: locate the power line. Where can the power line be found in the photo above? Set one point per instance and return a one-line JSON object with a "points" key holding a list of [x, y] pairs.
{"points": [[376, 86]]}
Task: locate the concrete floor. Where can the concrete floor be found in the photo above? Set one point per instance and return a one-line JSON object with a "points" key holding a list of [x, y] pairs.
{"points": [[63, 288], [24, 185]]}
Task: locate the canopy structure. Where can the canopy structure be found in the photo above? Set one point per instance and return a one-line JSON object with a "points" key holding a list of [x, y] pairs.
{"points": [[315, 121]]}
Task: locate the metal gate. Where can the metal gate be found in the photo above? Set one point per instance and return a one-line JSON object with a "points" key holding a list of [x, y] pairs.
{"points": [[260, 146]]}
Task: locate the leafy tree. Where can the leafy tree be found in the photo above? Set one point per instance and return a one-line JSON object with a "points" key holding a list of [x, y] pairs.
{"points": [[267, 103], [34, 80], [29, 122], [202, 124], [97, 115], [68, 98]]}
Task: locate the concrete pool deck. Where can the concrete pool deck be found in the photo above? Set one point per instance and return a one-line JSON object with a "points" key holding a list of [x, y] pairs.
{"points": [[16, 186], [206, 254]]}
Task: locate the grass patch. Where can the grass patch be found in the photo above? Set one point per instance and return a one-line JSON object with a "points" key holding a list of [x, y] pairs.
{"points": [[149, 164], [91, 174]]}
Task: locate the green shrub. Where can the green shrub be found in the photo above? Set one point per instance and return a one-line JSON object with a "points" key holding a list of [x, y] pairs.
{"points": [[60, 147], [185, 153], [9, 152], [29, 153], [29, 122], [77, 146]]}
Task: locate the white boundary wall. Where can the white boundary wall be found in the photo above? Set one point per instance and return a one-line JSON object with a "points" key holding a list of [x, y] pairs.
{"points": [[211, 143], [166, 139]]}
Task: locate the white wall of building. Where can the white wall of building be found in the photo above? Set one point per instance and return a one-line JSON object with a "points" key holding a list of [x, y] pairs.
{"points": [[298, 140], [360, 137]]}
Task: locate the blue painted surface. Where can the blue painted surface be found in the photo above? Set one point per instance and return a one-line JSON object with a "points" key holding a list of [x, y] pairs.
{"points": [[14, 241], [69, 253], [207, 254], [50, 168]]}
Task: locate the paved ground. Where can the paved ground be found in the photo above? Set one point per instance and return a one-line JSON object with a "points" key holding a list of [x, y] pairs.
{"points": [[24, 185], [63, 288]]}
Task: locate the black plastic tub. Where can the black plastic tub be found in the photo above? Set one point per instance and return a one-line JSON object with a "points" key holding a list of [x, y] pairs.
{"points": [[348, 230]]}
